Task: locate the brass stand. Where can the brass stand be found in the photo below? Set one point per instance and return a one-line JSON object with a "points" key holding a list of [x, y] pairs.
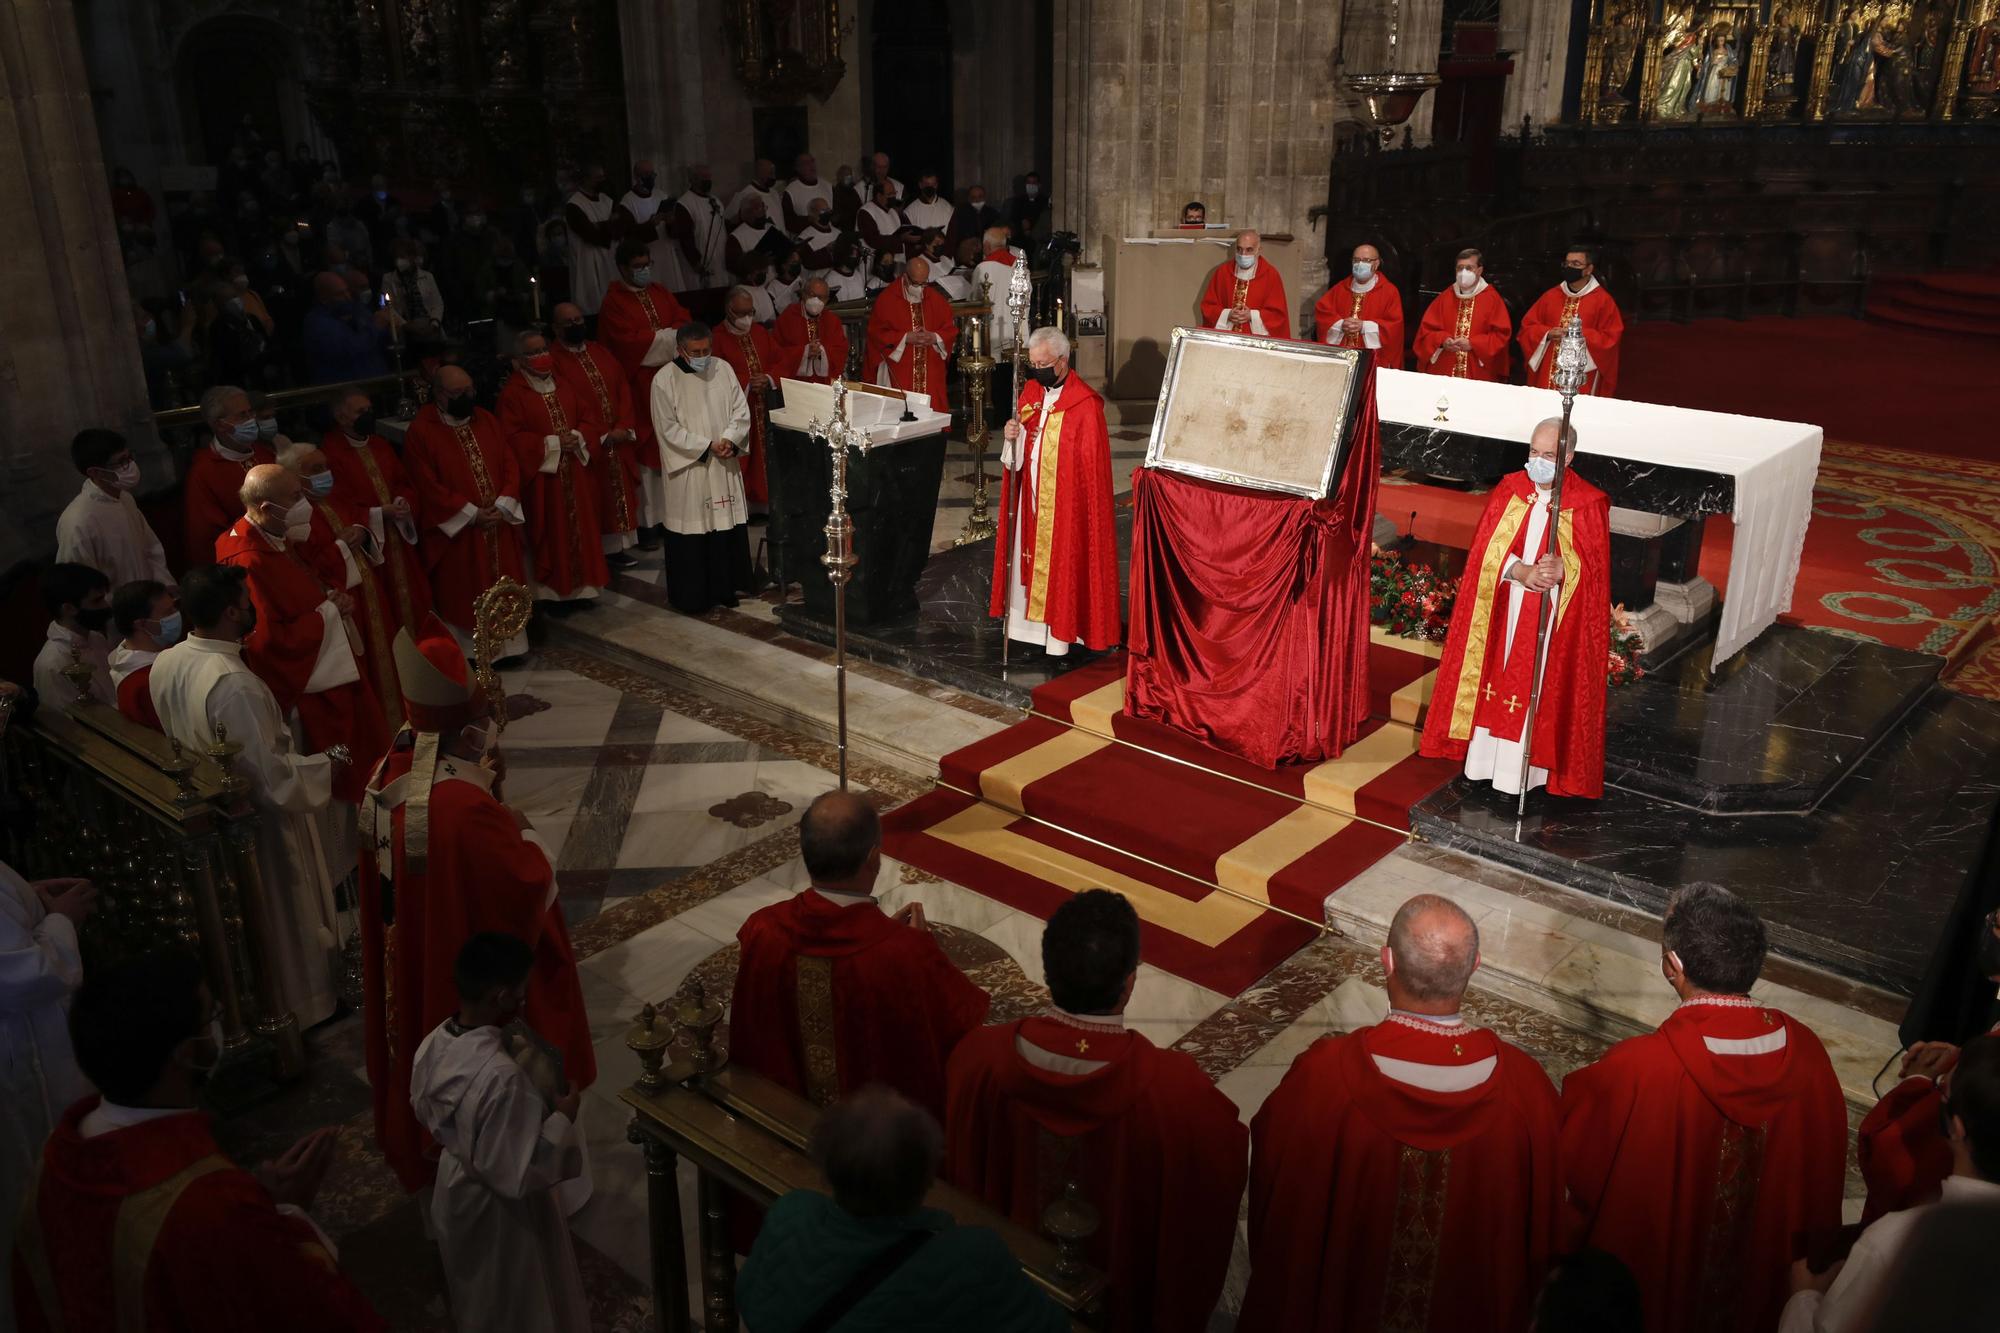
{"points": [[839, 435], [977, 367]]}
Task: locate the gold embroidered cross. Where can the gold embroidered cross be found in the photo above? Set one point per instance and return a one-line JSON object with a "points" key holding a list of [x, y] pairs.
{"points": [[1082, 1045], [1489, 692], [1513, 704], [1456, 1049]]}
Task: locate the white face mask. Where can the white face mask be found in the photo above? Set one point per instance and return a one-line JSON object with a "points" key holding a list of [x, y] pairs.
{"points": [[913, 291], [298, 520], [1363, 270], [814, 305], [126, 478], [1245, 263], [481, 736], [1467, 279], [739, 323]]}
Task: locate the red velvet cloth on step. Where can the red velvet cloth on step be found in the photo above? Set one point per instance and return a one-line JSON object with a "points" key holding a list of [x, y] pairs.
{"points": [[1249, 616]]}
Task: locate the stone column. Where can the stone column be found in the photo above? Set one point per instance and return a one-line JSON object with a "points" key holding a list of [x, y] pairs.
{"points": [[1162, 101], [683, 101], [69, 356], [992, 90], [1537, 31]]}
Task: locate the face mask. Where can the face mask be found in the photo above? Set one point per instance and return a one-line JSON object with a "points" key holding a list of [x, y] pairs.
{"points": [[543, 365], [341, 268], [93, 620], [267, 428], [825, 215], [703, 186], [1245, 263], [977, 204], [1363, 270], [1046, 376], [1034, 190], [928, 193], [528, 198], [1573, 276], [320, 483], [475, 221], [913, 291], [644, 184], [405, 264], [460, 405], [167, 632], [642, 277], [298, 520], [245, 431], [815, 304], [699, 364], [739, 323], [126, 477], [1541, 471], [480, 736], [1467, 279], [846, 270], [846, 178], [573, 335], [364, 425]]}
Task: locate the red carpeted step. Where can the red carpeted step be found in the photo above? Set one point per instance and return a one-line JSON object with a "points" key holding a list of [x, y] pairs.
{"points": [[1932, 321], [1986, 284], [1920, 295]]}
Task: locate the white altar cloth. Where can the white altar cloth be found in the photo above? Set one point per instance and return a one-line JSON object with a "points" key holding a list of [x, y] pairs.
{"points": [[1773, 464]]}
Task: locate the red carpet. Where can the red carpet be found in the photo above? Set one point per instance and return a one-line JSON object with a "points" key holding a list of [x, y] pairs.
{"points": [[1228, 864]]}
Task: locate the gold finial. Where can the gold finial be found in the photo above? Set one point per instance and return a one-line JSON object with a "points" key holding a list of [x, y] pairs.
{"points": [[649, 1041], [1070, 1222]]}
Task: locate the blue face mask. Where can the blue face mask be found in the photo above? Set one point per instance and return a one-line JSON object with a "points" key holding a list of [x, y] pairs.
{"points": [[1246, 263], [1363, 270], [169, 632], [321, 484], [244, 432], [699, 364], [1541, 471]]}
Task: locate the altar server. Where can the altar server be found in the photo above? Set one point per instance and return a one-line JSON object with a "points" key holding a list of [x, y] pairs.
{"points": [[202, 685], [1578, 296], [450, 859], [1364, 309], [1480, 706], [911, 332], [1246, 295], [1700, 1154], [147, 615], [506, 1124], [1465, 332], [1404, 1175], [834, 993], [102, 527], [702, 421], [1063, 587], [1156, 1148]]}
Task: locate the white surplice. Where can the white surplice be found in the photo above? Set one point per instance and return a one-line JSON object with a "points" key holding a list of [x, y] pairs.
{"points": [[201, 684], [40, 968], [105, 530], [507, 1255], [690, 412], [63, 647], [1486, 755], [592, 268]]}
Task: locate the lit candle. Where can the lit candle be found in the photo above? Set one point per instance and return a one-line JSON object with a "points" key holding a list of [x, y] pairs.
{"points": [[535, 287]]}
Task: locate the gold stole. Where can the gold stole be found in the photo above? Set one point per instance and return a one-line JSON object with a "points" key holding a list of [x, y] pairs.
{"points": [[1359, 339], [752, 394], [645, 296], [1462, 330], [812, 342], [565, 475], [1048, 454], [1241, 301], [394, 548], [622, 504], [482, 483], [920, 372], [1465, 697], [388, 686]]}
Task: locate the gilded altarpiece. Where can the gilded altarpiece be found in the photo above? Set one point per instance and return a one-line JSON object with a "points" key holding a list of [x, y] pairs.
{"points": [[488, 91], [1689, 62]]}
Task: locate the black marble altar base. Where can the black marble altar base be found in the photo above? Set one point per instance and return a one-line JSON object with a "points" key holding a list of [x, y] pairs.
{"points": [[1861, 886], [1653, 488], [950, 639], [1775, 729]]}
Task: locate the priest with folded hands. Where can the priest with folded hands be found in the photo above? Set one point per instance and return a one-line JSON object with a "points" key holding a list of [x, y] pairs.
{"points": [[911, 331], [1246, 295]]}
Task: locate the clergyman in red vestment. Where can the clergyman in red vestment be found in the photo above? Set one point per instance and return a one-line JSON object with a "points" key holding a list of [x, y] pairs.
{"points": [[1578, 296], [346, 533], [137, 1220], [370, 487], [551, 433], [599, 382], [639, 323], [1363, 309], [911, 332], [1404, 1175], [1480, 706], [1063, 588], [1072, 1095], [209, 502], [1465, 333], [1706, 1153], [450, 860], [832, 993], [748, 349], [1246, 295], [811, 342]]}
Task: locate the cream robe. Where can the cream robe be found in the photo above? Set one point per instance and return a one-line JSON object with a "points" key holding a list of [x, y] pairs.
{"points": [[63, 647], [507, 1255], [690, 412], [592, 268], [200, 684], [1487, 756], [108, 533]]}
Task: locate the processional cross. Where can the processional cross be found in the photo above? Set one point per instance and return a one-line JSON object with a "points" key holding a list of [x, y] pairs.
{"points": [[839, 435]]}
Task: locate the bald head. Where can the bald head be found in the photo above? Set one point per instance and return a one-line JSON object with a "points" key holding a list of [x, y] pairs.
{"points": [[1432, 951], [840, 836], [879, 1153], [448, 381], [268, 493], [918, 271], [815, 287]]}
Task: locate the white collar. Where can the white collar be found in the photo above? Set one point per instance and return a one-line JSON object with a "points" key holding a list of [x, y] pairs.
{"points": [[1478, 287], [463, 770], [841, 899], [96, 492], [1589, 286], [108, 1116], [228, 647], [74, 638], [450, 420], [539, 383], [1363, 287], [127, 660], [1425, 1022], [215, 443], [362, 443], [1088, 1022]]}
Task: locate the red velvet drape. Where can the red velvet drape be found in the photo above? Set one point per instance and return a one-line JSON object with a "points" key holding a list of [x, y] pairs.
{"points": [[1249, 615]]}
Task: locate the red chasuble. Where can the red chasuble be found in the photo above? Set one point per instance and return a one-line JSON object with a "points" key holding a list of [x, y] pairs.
{"points": [[1263, 292], [155, 1215], [1481, 317], [1068, 543], [627, 324], [1474, 688], [452, 467], [1603, 330], [482, 874], [370, 477], [600, 384], [211, 499], [563, 527], [287, 585], [374, 613], [1158, 1151], [1702, 1155], [1379, 1203], [1381, 303], [752, 353], [895, 316], [831, 997], [791, 338]]}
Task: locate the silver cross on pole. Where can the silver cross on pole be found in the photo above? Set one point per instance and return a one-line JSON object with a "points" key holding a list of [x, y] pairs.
{"points": [[839, 435], [1020, 290]]}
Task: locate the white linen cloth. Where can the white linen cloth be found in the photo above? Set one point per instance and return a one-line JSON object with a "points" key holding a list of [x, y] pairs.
{"points": [[1773, 464], [691, 411]]}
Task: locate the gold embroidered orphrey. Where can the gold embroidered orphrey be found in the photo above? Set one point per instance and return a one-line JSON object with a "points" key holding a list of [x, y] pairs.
{"points": [[1421, 1180], [815, 1002]]}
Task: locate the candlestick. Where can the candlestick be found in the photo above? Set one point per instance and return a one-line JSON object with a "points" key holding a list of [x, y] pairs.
{"points": [[535, 290]]}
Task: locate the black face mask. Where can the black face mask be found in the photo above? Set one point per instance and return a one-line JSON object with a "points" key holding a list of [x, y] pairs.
{"points": [[94, 621], [824, 215], [1987, 953], [1046, 376], [704, 185], [645, 184], [573, 335], [928, 193], [1572, 275], [364, 425], [460, 404]]}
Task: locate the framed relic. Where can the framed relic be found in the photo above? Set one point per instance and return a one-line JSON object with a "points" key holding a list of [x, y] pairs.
{"points": [[1256, 412]]}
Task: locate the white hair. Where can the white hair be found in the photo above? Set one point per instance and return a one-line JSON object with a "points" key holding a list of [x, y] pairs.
{"points": [[740, 289], [994, 238], [1051, 337], [215, 397], [1565, 435], [292, 451]]}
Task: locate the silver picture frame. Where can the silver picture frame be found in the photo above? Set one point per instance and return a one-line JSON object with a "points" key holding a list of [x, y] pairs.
{"points": [[1304, 426]]}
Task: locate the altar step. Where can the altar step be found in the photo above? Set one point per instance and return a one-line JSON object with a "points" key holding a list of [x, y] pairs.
{"points": [[1963, 304]]}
